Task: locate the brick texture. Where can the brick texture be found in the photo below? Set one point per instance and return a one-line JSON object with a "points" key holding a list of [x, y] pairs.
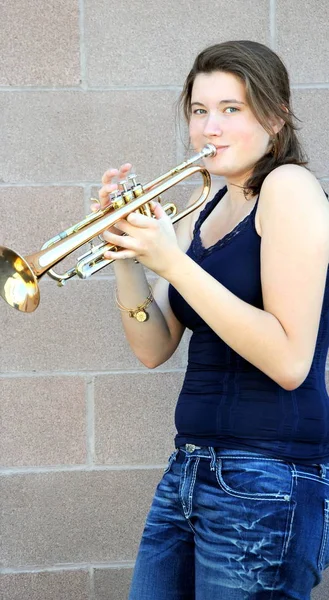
{"points": [[74, 517], [40, 43], [73, 136], [164, 37], [85, 428], [112, 584], [296, 21], [61, 585], [134, 417], [43, 421]]}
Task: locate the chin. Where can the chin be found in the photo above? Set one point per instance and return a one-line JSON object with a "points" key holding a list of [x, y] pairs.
{"points": [[217, 169], [227, 170]]}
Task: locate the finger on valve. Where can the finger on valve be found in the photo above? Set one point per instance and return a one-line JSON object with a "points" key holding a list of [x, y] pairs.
{"points": [[110, 185], [104, 194]]}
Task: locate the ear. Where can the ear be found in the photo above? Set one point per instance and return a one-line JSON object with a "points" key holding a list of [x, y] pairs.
{"points": [[278, 126], [277, 123]]}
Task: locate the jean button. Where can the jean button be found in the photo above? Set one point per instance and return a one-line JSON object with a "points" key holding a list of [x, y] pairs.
{"points": [[190, 447]]}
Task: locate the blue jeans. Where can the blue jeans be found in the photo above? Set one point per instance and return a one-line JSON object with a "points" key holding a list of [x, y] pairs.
{"points": [[234, 525]]}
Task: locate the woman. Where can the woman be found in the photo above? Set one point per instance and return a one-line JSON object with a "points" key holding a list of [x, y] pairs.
{"points": [[242, 511]]}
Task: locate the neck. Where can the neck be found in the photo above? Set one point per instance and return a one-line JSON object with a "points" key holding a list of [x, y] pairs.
{"points": [[235, 188], [236, 195]]}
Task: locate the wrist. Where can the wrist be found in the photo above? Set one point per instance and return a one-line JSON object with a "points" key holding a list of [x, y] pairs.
{"points": [[173, 269], [128, 264]]}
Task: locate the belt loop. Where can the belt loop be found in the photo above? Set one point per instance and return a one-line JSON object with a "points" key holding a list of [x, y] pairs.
{"points": [[323, 471], [213, 458]]}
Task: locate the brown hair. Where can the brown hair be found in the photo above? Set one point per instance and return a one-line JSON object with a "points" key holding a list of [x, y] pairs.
{"points": [[268, 95]]}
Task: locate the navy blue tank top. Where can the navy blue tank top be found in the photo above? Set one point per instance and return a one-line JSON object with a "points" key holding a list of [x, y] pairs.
{"points": [[225, 401]]}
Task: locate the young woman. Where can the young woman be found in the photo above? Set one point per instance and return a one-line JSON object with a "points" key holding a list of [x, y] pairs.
{"points": [[242, 511]]}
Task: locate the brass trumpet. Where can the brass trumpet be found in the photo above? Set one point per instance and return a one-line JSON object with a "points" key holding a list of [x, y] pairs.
{"points": [[19, 276]]}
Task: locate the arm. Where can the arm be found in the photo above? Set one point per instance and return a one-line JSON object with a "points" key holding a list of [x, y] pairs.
{"points": [[154, 341], [279, 340]]}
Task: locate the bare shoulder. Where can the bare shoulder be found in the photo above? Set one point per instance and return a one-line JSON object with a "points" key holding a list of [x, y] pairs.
{"points": [[292, 193], [290, 175]]}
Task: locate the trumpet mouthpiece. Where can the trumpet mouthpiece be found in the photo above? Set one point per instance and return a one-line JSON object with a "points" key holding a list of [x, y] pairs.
{"points": [[209, 150]]}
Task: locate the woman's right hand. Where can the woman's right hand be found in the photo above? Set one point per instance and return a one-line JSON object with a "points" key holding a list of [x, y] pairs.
{"points": [[110, 183]]}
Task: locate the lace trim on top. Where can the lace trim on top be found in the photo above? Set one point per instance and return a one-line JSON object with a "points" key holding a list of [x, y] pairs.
{"points": [[198, 247]]}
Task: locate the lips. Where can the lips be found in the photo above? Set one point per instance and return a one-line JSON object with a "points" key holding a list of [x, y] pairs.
{"points": [[220, 149]]}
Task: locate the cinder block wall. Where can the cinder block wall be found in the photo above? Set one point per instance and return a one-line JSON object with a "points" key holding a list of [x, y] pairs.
{"points": [[87, 84]]}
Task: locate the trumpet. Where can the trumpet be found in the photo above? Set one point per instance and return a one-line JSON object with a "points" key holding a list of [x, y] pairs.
{"points": [[19, 275]]}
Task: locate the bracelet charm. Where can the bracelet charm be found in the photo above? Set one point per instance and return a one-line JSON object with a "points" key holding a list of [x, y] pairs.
{"points": [[139, 313]]}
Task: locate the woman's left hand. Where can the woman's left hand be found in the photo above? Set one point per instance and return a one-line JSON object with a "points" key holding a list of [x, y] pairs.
{"points": [[151, 241]]}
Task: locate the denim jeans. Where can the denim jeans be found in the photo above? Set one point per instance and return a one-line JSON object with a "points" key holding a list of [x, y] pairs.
{"points": [[234, 525]]}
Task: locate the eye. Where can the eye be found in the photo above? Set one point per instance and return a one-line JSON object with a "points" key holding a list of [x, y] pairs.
{"points": [[199, 111], [231, 109]]}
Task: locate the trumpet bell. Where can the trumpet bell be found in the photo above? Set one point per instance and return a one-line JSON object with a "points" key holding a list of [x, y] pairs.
{"points": [[18, 283]]}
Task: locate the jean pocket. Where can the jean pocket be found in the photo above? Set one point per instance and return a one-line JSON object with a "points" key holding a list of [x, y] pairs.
{"points": [[324, 549], [171, 459], [255, 478]]}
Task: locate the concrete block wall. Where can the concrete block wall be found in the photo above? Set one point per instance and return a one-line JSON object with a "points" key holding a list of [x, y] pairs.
{"points": [[86, 84]]}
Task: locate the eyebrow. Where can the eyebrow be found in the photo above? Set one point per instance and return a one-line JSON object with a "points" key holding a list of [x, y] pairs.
{"points": [[228, 101]]}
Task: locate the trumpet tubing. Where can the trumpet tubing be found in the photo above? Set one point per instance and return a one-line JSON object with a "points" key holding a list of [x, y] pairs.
{"points": [[19, 275]]}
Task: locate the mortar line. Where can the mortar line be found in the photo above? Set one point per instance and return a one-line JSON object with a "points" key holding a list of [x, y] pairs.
{"points": [[12, 471], [310, 86], [273, 30], [67, 567], [91, 583], [83, 62], [144, 371], [107, 88], [25, 184], [86, 185], [145, 88], [97, 373], [90, 421]]}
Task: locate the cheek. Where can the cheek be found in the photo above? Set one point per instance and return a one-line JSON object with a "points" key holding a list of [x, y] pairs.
{"points": [[195, 134], [253, 137], [193, 129]]}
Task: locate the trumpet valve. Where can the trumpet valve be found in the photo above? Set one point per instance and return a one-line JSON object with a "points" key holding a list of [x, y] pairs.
{"points": [[117, 201], [136, 188], [128, 196], [132, 179], [123, 184], [121, 199]]}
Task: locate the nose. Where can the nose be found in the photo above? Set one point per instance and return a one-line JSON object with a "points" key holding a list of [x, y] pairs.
{"points": [[212, 126]]}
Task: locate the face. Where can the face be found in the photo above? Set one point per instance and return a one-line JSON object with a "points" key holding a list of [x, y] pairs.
{"points": [[220, 115]]}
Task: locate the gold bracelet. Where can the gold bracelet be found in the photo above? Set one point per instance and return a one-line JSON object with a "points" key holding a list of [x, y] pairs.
{"points": [[139, 313]]}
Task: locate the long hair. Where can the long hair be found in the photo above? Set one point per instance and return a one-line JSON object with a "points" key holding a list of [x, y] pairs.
{"points": [[268, 95]]}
